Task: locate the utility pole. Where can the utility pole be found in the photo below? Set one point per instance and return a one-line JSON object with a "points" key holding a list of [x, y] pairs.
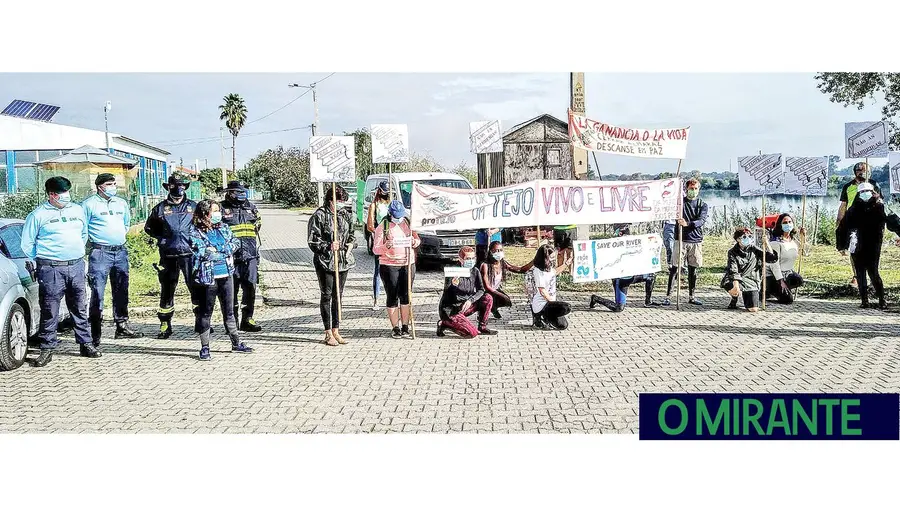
{"points": [[576, 104], [315, 127], [222, 153], [106, 109]]}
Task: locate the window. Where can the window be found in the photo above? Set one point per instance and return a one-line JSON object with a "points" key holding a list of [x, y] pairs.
{"points": [[553, 157], [11, 241], [406, 187], [2, 158], [26, 157], [48, 154], [3, 180], [26, 178]]}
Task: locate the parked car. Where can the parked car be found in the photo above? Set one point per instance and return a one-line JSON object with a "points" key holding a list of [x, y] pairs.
{"points": [[436, 246], [19, 309]]}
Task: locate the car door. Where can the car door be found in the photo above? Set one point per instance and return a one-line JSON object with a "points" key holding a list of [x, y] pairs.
{"points": [[11, 247]]}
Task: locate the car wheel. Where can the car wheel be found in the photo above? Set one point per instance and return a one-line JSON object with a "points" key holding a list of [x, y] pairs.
{"points": [[14, 340]]}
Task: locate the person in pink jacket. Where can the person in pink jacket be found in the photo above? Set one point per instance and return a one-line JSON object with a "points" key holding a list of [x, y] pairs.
{"points": [[397, 270]]}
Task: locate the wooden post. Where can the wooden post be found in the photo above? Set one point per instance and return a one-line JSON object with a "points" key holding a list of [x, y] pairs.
{"points": [[409, 264], [803, 237], [390, 182], [816, 226], [765, 243], [537, 218], [336, 254], [680, 245]]}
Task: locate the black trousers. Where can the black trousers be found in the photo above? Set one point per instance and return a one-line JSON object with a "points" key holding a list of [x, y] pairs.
{"points": [[246, 276], [501, 299], [328, 302], [168, 281], [867, 267], [396, 285], [774, 288], [555, 313], [223, 290]]}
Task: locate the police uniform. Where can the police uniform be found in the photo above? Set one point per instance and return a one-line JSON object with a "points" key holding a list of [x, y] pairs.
{"points": [[54, 237], [108, 218], [170, 224], [243, 218]]}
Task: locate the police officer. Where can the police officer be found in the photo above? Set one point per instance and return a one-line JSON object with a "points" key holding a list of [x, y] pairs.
{"points": [[242, 216], [54, 236], [108, 218], [170, 224]]}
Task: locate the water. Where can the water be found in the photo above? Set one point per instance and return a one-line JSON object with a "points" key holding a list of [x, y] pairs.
{"points": [[774, 203]]}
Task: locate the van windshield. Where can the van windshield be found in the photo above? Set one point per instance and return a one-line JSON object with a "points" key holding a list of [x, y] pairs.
{"points": [[406, 187]]}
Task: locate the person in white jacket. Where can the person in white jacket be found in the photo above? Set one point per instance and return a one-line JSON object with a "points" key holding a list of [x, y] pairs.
{"points": [[781, 277]]}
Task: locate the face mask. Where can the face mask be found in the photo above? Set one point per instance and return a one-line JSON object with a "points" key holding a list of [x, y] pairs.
{"points": [[64, 198], [861, 176], [176, 191], [215, 218], [242, 195], [110, 191], [787, 227], [468, 263], [745, 241], [397, 221], [692, 194], [498, 255], [865, 196]]}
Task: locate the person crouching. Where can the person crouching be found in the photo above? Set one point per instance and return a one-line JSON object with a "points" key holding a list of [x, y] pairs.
{"points": [[462, 297], [744, 269]]}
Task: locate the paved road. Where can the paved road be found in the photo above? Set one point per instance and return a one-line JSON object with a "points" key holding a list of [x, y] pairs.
{"points": [[584, 380]]}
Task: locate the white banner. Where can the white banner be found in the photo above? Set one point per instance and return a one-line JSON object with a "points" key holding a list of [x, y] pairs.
{"points": [[485, 137], [761, 175], [618, 257], [806, 175], [390, 144], [545, 202], [894, 170], [332, 159], [866, 139], [645, 143]]}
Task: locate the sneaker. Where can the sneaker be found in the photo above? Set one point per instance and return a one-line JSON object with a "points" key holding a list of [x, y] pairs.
{"points": [[666, 302], [404, 330], [204, 353], [853, 283], [487, 331], [440, 330], [374, 303], [496, 314], [396, 332], [165, 331], [241, 348], [538, 322], [249, 325], [695, 302], [652, 303]]}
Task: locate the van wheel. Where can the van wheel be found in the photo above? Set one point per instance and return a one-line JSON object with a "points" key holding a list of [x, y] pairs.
{"points": [[14, 340]]}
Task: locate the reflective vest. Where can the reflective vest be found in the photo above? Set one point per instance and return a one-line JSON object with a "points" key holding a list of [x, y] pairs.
{"points": [[244, 220]]}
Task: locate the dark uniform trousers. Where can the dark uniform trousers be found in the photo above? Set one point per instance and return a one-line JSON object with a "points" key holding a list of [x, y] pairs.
{"points": [[107, 262], [245, 280], [170, 268], [58, 280]]}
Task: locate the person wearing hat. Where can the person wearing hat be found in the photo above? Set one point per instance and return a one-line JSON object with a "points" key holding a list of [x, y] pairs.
{"points": [[378, 216], [398, 265], [53, 237], [861, 174], [108, 218], [326, 244], [863, 233], [170, 224], [243, 218]]}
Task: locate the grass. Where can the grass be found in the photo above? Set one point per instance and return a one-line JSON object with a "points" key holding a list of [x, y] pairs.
{"points": [[825, 271]]}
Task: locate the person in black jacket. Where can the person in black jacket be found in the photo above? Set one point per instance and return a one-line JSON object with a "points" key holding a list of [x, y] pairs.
{"points": [[691, 223], [324, 243], [863, 233], [242, 216], [744, 270], [170, 224], [463, 296]]}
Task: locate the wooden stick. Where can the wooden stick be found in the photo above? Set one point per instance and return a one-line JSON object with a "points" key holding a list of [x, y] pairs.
{"points": [[764, 244], [336, 254], [390, 182], [680, 243], [412, 319], [802, 237], [537, 218]]}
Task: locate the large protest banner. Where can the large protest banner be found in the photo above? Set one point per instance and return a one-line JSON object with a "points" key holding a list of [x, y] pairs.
{"points": [[545, 203], [645, 143], [618, 257]]}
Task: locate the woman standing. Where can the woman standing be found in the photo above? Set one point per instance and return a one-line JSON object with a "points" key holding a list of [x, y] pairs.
{"points": [[398, 265], [213, 246], [463, 296], [541, 285], [743, 270], [493, 273], [780, 275], [864, 229], [326, 244], [378, 212]]}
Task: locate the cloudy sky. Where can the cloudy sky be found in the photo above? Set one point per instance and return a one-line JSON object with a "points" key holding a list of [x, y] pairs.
{"points": [[730, 114]]}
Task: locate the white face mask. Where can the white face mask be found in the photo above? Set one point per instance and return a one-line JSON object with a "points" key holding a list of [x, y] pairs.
{"points": [[865, 196], [64, 198], [498, 255], [110, 191], [468, 263]]}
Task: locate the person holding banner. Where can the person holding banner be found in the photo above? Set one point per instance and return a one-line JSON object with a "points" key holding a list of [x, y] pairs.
{"points": [[620, 285], [743, 270], [325, 244], [463, 296], [394, 243], [378, 213], [493, 272], [540, 284], [781, 278], [691, 245], [861, 175]]}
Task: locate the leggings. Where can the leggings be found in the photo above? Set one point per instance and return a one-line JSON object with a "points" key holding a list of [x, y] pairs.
{"points": [[328, 303], [692, 279], [555, 313], [460, 323], [774, 289], [396, 285], [222, 289], [501, 299], [376, 278], [868, 266]]}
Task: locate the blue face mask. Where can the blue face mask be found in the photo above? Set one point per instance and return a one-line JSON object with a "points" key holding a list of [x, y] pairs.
{"points": [[787, 227], [865, 196], [745, 241], [397, 221], [110, 191], [215, 218], [468, 263]]}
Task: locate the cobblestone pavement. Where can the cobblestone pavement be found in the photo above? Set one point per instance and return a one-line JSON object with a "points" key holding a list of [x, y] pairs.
{"points": [[583, 380]]}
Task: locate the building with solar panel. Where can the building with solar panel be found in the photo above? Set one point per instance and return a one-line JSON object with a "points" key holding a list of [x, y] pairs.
{"points": [[28, 136]]}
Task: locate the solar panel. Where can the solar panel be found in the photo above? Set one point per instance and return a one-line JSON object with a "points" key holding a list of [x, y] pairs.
{"points": [[30, 110]]}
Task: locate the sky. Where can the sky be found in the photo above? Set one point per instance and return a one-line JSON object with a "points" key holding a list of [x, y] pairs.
{"points": [[730, 115]]}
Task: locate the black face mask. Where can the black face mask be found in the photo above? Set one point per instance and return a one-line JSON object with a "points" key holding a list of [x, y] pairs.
{"points": [[176, 191]]}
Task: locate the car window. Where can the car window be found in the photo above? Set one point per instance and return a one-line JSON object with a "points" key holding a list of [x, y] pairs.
{"points": [[11, 235], [406, 187], [370, 188]]}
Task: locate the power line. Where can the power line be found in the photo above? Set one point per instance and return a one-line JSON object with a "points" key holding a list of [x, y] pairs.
{"points": [[292, 101], [242, 135]]}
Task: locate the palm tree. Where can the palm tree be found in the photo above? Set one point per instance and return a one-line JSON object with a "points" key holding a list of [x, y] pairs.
{"points": [[234, 114]]}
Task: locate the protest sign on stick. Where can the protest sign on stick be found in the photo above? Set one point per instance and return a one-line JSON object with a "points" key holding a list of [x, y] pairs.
{"points": [[593, 135], [390, 143], [618, 257], [894, 170], [485, 137], [866, 139], [761, 175], [806, 175]]}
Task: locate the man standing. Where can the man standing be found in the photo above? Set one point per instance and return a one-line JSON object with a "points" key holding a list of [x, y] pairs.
{"points": [[848, 195], [169, 223], [691, 224], [108, 218], [54, 236], [242, 216]]}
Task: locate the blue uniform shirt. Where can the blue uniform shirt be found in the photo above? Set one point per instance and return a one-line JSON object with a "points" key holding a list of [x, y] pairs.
{"points": [[55, 234], [107, 220], [481, 237]]}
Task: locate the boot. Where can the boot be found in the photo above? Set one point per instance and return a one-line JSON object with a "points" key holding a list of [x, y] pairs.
{"points": [[124, 331], [96, 331], [249, 325], [43, 359], [337, 336], [90, 351], [165, 330]]}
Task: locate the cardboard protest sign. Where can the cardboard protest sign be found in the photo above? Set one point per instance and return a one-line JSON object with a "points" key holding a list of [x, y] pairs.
{"points": [[485, 136], [457, 272], [806, 175], [545, 202], [401, 242], [761, 175], [390, 144], [866, 139], [645, 143], [894, 170], [332, 159], [618, 257]]}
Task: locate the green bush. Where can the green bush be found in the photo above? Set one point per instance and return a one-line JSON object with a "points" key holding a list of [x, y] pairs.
{"points": [[18, 205], [141, 253]]}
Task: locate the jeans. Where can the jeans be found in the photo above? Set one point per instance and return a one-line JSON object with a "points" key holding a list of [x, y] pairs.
{"points": [[668, 237], [376, 278], [246, 277], [328, 302], [168, 281], [103, 264], [56, 282]]}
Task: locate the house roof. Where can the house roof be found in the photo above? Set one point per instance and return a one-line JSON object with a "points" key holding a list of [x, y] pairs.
{"points": [[143, 145], [522, 125], [90, 154]]}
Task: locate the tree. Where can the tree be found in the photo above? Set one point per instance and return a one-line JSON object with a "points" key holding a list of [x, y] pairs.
{"points": [[211, 181], [234, 114], [468, 172], [854, 88], [284, 173]]}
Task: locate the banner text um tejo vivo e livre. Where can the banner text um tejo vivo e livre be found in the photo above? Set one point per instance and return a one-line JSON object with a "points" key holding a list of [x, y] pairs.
{"points": [[545, 202]]}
